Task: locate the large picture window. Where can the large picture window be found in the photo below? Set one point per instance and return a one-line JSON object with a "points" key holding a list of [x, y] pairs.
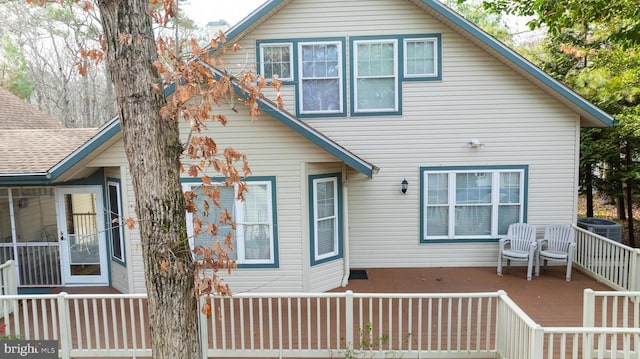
{"points": [[254, 238], [471, 203], [376, 75], [320, 76], [325, 218]]}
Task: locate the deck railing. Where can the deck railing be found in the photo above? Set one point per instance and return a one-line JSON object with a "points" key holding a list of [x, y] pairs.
{"points": [[8, 286], [608, 261], [351, 325]]}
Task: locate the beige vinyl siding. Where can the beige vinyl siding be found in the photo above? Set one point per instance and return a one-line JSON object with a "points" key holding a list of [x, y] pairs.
{"points": [[274, 150], [325, 276], [131, 278], [478, 97], [119, 274]]}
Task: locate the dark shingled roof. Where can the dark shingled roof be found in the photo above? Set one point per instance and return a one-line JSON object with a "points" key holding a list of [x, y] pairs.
{"points": [[16, 114]]}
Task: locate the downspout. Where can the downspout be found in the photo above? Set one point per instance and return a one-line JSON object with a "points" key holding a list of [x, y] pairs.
{"points": [[345, 221], [345, 229]]}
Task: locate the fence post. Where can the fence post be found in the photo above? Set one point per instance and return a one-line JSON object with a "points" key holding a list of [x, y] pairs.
{"points": [[203, 321], [633, 271], [536, 345], [588, 321], [500, 323], [349, 320], [588, 308], [65, 326]]}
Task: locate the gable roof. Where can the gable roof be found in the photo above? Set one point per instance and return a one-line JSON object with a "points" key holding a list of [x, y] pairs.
{"points": [[590, 114], [38, 150], [16, 114], [304, 129]]}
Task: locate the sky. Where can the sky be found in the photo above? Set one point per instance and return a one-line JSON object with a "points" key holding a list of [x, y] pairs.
{"points": [[204, 11]]}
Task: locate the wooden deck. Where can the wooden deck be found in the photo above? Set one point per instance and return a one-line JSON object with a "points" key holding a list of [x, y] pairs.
{"points": [[548, 299]]}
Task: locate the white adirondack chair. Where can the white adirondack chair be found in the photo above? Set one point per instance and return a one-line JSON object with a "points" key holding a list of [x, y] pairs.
{"points": [[557, 245], [519, 245]]}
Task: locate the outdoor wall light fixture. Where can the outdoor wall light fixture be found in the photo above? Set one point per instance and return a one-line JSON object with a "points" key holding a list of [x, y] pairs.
{"points": [[405, 185], [475, 143]]}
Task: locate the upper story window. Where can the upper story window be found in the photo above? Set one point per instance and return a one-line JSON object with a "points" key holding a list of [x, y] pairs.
{"points": [[375, 75], [471, 203], [254, 238], [378, 65], [276, 61], [320, 77], [421, 57]]}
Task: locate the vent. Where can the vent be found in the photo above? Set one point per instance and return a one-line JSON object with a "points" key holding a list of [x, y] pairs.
{"points": [[603, 227]]}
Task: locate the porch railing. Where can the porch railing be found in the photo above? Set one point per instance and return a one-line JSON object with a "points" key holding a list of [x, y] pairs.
{"points": [[478, 325], [610, 262], [8, 286], [38, 263]]}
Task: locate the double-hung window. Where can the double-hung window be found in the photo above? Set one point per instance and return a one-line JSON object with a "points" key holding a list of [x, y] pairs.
{"points": [[254, 238], [375, 75], [276, 61], [421, 58], [471, 203], [320, 77], [325, 218]]}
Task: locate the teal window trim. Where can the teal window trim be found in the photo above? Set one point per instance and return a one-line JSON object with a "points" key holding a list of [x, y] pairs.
{"points": [[437, 40], [296, 81], [261, 44], [119, 258], [524, 169], [191, 181], [357, 75], [341, 110], [339, 252]]}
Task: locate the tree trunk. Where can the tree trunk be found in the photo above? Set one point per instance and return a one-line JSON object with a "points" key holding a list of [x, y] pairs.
{"points": [[589, 189], [629, 194], [153, 150]]}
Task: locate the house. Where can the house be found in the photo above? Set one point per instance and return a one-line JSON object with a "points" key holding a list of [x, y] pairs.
{"points": [[410, 138]]}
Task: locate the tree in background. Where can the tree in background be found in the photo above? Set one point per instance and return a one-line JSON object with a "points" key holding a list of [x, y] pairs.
{"points": [[13, 69], [593, 48]]}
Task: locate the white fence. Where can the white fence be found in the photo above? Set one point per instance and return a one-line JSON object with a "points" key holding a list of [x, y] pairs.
{"points": [[327, 325], [608, 261]]}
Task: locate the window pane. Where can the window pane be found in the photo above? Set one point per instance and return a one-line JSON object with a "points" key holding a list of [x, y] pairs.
{"points": [[376, 93], [320, 95], [326, 236], [320, 78], [506, 216], [438, 188], [473, 188], [472, 220], [420, 59], [510, 187], [115, 222], [227, 200], [276, 61], [376, 59], [257, 234], [437, 221], [326, 199]]}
